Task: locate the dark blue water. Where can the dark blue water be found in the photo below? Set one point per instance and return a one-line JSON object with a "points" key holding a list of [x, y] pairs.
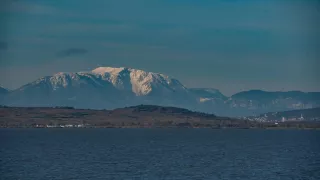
{"points": [[159, 154]]}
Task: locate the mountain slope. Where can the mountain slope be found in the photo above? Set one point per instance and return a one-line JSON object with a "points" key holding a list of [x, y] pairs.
{"points": [[207, 94], [210, 100], [3, 92]]}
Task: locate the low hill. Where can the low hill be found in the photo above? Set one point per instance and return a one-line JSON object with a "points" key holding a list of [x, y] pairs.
{"points": [[142, 115]]}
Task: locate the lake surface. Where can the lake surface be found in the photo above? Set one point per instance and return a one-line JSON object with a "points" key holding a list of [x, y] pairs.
{"points": [[35, 154]]}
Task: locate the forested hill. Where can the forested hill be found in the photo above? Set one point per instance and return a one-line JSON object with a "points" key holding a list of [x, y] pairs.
{"points": [[129, 117]]}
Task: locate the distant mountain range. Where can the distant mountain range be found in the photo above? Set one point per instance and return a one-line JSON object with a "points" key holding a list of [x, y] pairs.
{"points": [[110, 88]]}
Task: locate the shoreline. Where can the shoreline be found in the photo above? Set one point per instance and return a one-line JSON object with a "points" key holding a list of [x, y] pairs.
{"points": [[226, 128]]}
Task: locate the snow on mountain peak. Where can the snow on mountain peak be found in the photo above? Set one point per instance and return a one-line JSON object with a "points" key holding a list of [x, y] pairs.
{"points": [[135, 81], [138, 81], [110, 70]]}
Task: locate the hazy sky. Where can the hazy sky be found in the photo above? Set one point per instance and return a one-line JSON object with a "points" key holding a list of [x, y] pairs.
{"points": [[230, 45]]}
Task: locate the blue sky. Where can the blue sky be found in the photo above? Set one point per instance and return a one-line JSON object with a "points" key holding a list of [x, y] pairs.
{"points": [[230, 45]]}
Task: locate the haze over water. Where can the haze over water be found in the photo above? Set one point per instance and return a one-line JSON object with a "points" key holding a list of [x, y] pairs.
{"points": [[159, 154]]}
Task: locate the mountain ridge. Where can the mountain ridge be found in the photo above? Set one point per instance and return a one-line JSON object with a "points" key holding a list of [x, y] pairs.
{"points": [[109, 87]]}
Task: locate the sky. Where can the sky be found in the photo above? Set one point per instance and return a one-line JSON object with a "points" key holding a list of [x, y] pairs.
{"points": [[231, 45]]}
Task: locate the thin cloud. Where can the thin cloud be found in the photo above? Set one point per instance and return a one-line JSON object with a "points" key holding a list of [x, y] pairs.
{"points": [[71, 52], [91, 27], [14, 6], [131, 45]]}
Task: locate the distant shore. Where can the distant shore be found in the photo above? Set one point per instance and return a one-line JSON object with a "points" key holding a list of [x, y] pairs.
{"points": [[171, 127], [143, 116]]}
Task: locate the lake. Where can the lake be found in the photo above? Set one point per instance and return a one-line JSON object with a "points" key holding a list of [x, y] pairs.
{"points": [[37, 154]]}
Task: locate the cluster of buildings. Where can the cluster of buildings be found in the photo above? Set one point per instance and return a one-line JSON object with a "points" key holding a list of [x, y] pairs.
{"points": [[61, 126], [301, 118], [265, 118]]}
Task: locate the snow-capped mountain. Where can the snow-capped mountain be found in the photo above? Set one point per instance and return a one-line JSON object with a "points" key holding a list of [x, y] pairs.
{"points": [[109, 88], [104, 87], [139, 82]]}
